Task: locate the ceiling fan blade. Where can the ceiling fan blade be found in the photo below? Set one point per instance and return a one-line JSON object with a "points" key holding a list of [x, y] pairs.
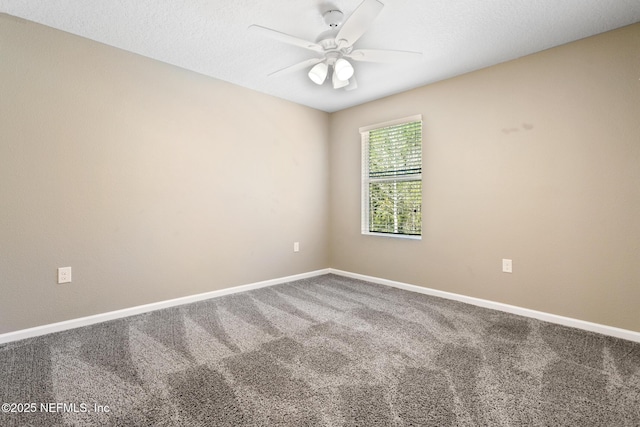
{"points": [[298, 66], [391, 56], [359, 22], [286, 38]]}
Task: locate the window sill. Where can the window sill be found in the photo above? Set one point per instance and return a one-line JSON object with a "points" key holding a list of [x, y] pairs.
{"points": [[393, 236]]}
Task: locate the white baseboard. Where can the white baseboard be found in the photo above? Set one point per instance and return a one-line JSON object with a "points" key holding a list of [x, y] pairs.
{"points": [[112, 315], [540, 315]]}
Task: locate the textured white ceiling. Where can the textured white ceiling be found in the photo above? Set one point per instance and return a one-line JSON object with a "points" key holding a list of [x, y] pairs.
{"points": [[211, 37]]}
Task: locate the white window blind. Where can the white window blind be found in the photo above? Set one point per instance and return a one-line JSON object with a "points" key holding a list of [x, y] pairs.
{"points": [[392, 178]]}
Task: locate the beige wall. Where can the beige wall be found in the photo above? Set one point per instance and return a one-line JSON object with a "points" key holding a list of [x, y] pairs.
{"points": [[154, 183], [537, 160], [150, 181]]}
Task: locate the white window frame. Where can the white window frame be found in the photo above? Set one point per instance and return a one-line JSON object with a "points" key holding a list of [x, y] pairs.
{"points": [[366, 180]]}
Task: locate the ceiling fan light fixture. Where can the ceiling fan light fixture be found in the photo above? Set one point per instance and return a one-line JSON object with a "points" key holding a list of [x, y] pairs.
{"points": [[343, 69], [318, 74], [337, 83]]}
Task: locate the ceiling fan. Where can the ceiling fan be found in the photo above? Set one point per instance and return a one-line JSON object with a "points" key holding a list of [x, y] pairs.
{"points": [[335, 47]]}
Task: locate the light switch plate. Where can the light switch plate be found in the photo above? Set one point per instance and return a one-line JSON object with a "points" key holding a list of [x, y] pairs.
{"points": [[507, 266]]}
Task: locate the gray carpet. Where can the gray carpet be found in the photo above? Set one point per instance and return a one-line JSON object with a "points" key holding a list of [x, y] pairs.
{"points": [[327, 351]]}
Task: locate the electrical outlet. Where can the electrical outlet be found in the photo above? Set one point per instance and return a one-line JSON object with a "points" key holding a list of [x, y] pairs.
{"points": [[507, 266], [296, 246], [64, 275]]}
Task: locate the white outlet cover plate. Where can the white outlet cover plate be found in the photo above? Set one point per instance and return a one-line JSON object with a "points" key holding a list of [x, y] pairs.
{"points": [[64, 275]]}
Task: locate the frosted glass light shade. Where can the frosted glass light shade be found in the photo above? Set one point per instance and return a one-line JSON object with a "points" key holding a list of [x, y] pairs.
{"points": [[318, 74], [343, 69], [337, 83]]}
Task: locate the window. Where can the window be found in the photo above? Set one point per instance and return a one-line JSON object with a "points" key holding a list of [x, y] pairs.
{"points": [[392, 178]]}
